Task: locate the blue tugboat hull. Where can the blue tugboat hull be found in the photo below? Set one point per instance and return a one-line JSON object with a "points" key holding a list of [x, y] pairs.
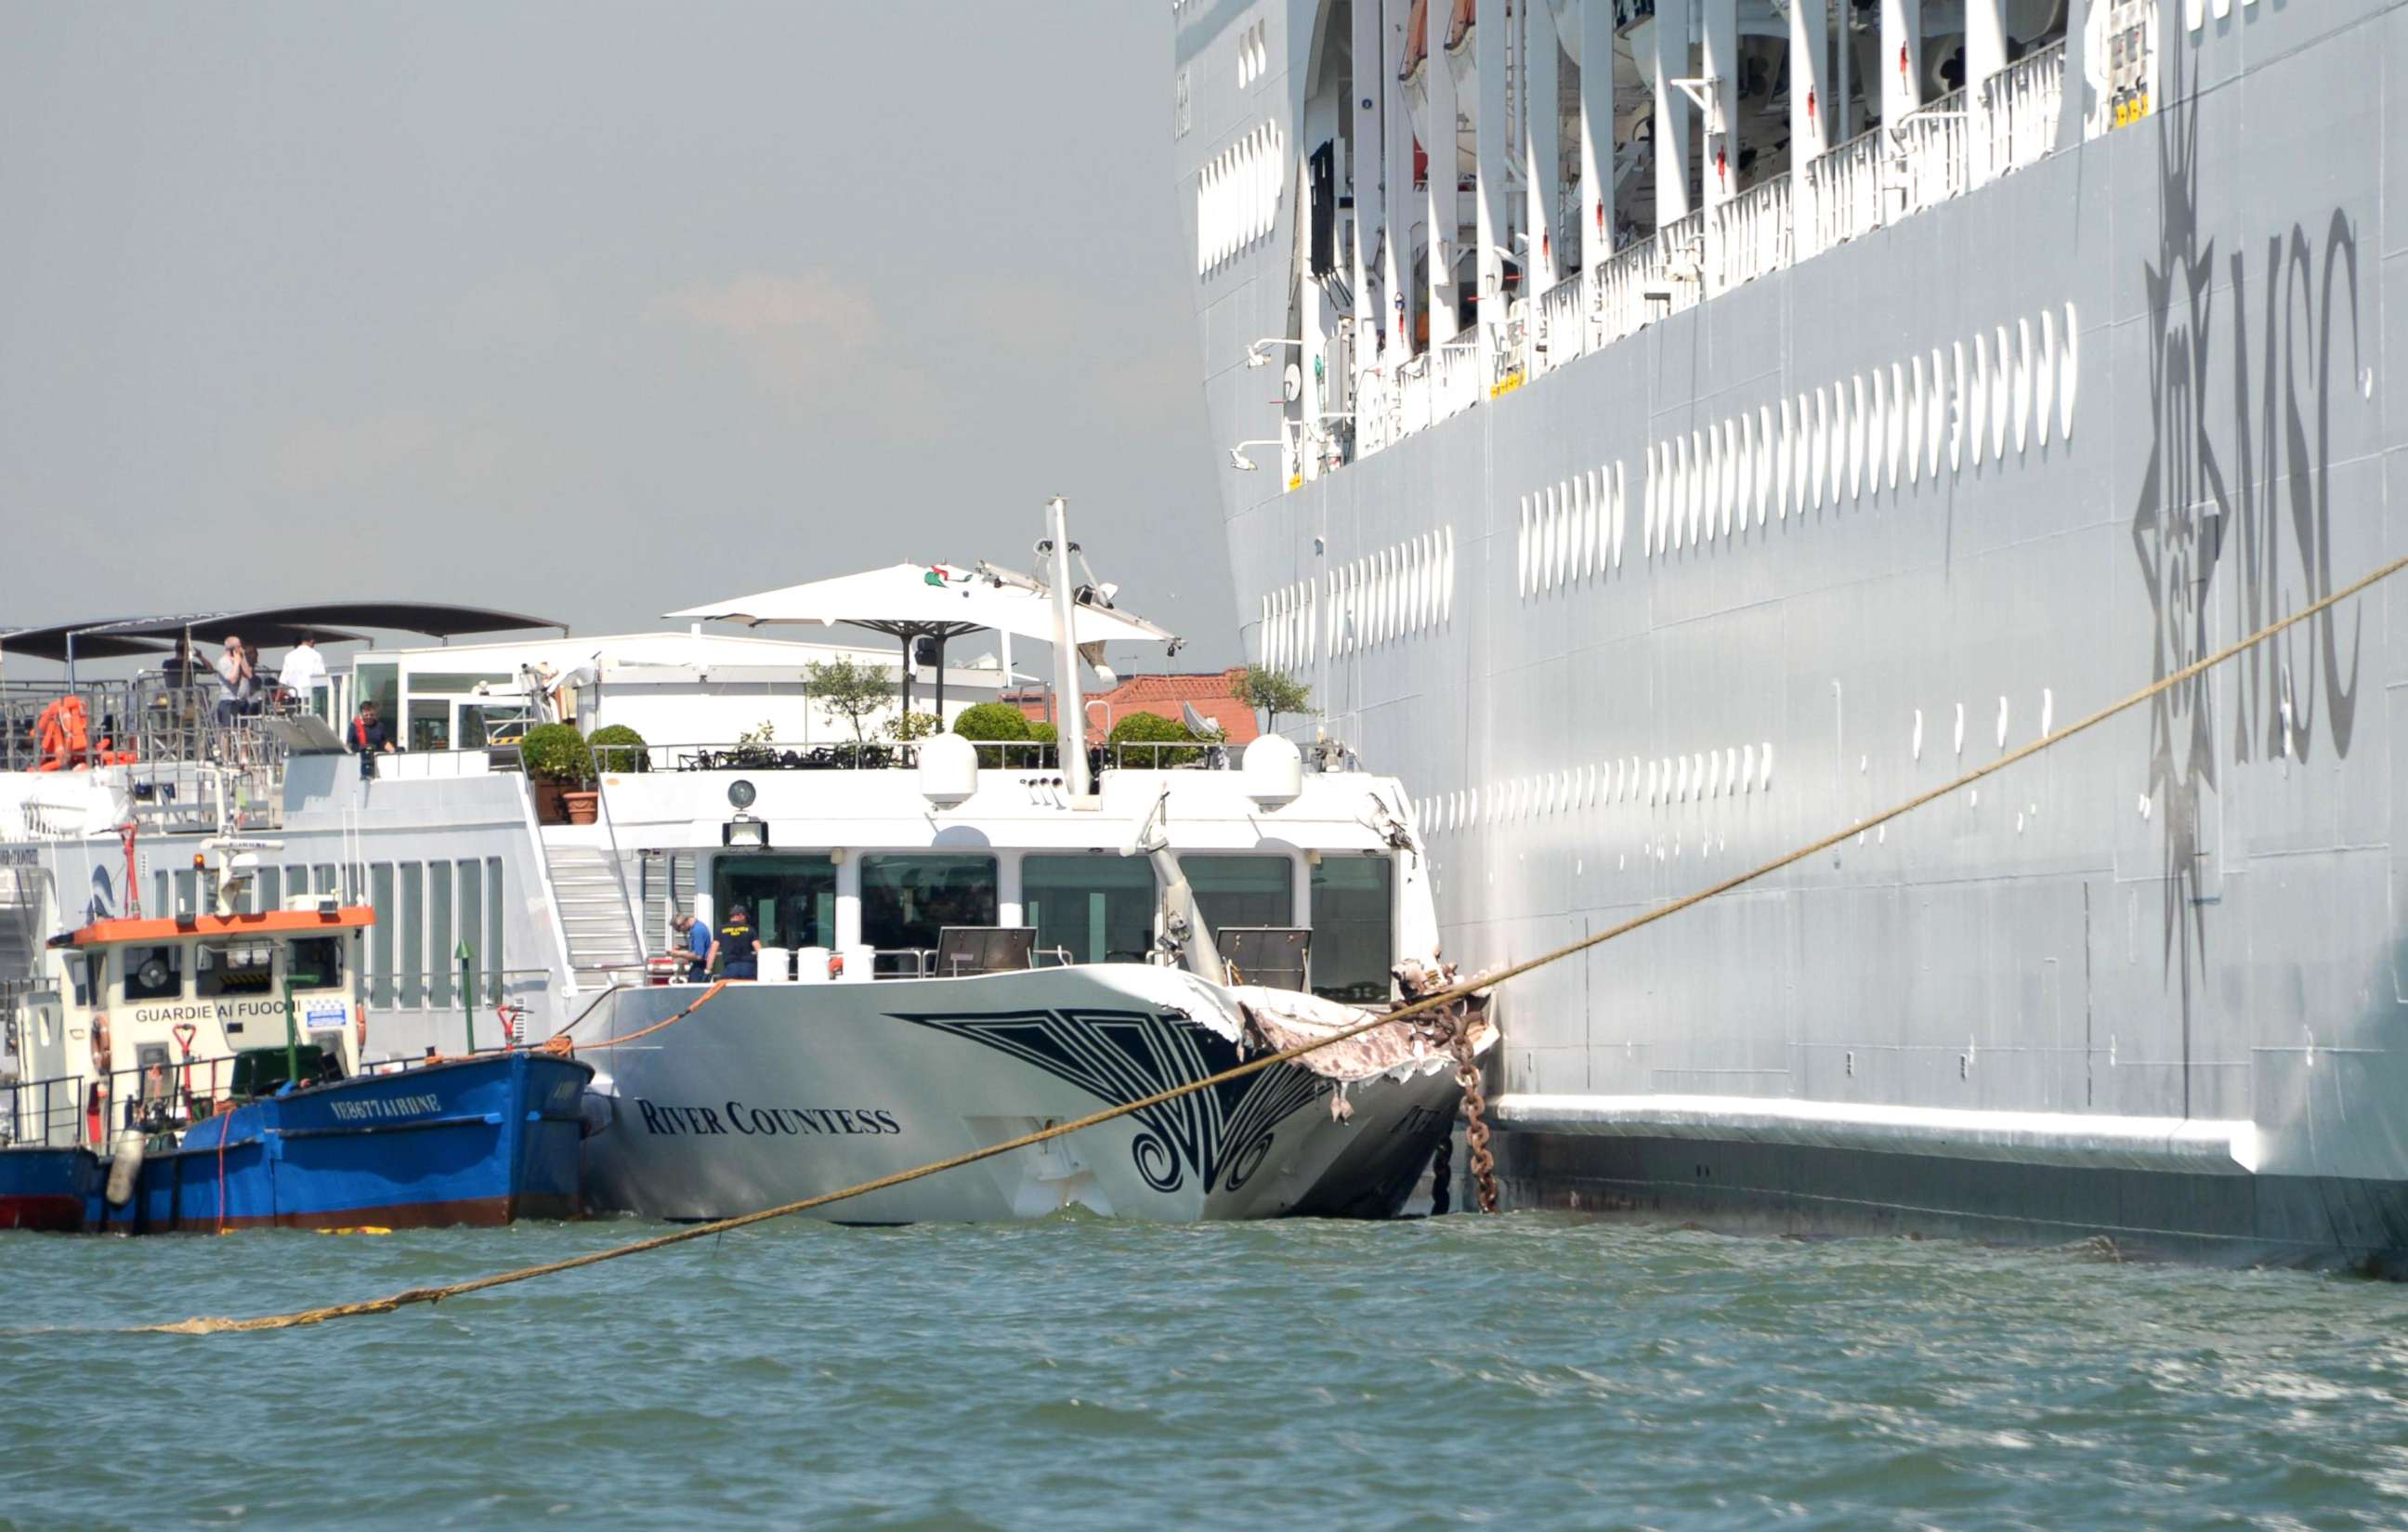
{"points": [[479, 1141], [53, 1190]]}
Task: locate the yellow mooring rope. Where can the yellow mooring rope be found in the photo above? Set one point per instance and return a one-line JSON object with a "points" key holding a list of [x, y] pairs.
{"points": [[700, 1231]]}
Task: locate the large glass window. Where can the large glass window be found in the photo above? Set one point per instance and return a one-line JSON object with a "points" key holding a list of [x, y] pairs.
{"points": [[1096, 909], [441, 966], [430, 724], [236, 968], [410, 956], [381, 938], [472, 916], [1243, 890], [1353, 927], [424, 684], [906, 899], [380, 683], [267, 890], [315, 963], [493, 919], [154, 973], [792, 899]]}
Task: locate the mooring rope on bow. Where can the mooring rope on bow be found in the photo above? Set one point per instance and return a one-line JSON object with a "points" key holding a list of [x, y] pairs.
{"points": [[1287, 1055]]}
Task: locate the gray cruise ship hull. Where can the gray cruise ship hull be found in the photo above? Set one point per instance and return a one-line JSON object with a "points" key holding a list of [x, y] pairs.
{"points": [[1608, 683]]}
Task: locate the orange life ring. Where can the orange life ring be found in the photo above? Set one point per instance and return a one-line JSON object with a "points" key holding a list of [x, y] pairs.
{"points": [[100, 1045]]}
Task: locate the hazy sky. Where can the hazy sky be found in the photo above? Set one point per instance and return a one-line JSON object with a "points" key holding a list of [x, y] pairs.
{"points": [[593, 310]]}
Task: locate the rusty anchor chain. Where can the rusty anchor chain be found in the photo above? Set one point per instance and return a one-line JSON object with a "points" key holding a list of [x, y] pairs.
{"points": [[1475, 1119]]}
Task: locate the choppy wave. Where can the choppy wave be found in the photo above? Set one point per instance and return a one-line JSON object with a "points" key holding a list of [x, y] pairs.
{"points": [[1533, 1370]]}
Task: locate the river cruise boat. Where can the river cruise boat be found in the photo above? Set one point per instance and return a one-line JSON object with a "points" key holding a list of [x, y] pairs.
{"points": [[956, 942], [202, 1072]]}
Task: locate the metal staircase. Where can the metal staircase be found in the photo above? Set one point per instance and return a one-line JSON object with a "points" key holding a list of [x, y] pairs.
{"points": [[595, 916]]}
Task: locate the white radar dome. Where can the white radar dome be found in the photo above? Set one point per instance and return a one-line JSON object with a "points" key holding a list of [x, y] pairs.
{"points": [[1273, 769], [948, 769]]}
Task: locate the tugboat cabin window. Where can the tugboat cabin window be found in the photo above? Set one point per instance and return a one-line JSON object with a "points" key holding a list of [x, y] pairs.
{"points": [[906, 899], [1243, 890], [154, 973], [236, 968], [78, 977], [1353, 927], [1089, 908], [316, 963], [792, 899]]}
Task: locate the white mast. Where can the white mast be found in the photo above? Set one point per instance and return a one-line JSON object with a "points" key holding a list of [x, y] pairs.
{"points": [[1070, 727]]}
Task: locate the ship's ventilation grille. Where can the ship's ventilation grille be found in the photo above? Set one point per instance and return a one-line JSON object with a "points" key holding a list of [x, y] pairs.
{"points": [[2006, 391], [1403, 589], [1237, 195], [1571, 531]]}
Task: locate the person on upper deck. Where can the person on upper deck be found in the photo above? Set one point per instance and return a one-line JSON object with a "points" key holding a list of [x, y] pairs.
{"points": [[737, 947], [238, 684], [369, 734], [699, 941], [304, 672]]}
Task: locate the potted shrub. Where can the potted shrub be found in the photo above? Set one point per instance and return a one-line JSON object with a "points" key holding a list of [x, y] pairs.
{"points": [[560, 771], [617, 749], [1150, 732], [1000, 723]]}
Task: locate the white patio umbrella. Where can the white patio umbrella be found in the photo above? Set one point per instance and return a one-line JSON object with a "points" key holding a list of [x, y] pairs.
{"points": [[939, 601]]}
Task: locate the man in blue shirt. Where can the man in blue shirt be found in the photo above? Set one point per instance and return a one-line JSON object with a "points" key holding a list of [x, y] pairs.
{"points": [[698, 945]]}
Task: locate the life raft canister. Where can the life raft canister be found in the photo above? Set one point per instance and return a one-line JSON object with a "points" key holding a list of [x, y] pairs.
{"points": [[63, 733]]}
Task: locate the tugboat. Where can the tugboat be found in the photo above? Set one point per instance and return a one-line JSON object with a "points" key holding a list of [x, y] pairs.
{"points": [[202, 1072]]}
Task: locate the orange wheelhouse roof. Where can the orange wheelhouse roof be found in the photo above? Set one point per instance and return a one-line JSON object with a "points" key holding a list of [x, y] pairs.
{"points": [[273, 922]]}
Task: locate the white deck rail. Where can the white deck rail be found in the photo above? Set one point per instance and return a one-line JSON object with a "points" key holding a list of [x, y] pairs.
{"points": [[1937, 152], [1752, 234], [2020, 106]]}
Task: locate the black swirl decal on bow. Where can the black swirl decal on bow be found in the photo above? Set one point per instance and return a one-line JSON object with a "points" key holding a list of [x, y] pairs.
{"points": [[1222, 1135]]}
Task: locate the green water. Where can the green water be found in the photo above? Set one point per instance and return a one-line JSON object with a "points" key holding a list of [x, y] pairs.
{"points": [[1526, 1371]]}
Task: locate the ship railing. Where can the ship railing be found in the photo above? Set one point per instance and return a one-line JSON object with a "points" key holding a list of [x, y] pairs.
{"points": [[151, 1096], [14, 993], [1683, 240], [1930, 154], [188, 763], [1509, 349], [43, 1113], [1845, 187], [1624, 281], [1454, 365], [1413, 385], [1168, 755], [2020, 107], [1752, 234], [1375, 421], [1563, 326], [436, 989]]}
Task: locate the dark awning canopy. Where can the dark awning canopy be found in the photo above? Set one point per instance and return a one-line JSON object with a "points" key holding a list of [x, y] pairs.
{"points": [[328, 622]]}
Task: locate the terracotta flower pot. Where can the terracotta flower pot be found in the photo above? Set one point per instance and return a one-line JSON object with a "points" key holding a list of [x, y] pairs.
{"points": [[583, 806], [551, 800]]}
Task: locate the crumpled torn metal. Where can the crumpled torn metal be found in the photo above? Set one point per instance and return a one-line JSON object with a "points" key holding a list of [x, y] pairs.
{"points": [[1281, 1019]]}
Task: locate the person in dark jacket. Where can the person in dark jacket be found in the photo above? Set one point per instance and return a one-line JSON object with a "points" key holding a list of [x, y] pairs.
{"points": [[737, 948]]}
